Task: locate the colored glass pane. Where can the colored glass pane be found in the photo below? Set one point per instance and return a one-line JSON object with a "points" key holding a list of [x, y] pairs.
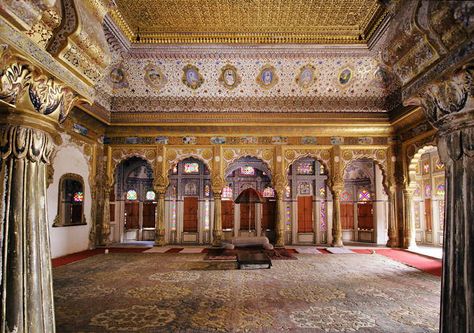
{"points": [[304, 168], [322, 171], [439, 165], [287, 191], [150, 195], [173, 215], [322, 192], [364, 195], [132, 195], [288, 217], [191, 167], [175, 169], [78, 197], [345, 196], [206, 214], [417, 215], [322, 219], [440, 190], [441, 215], [207, 190], [427, 190], [426, 167], [417, 192], [268, 193], [227, 192], [247, 170]]}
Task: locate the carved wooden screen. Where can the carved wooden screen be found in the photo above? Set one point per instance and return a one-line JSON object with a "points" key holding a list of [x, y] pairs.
{"points": [[347, 215], [365, 216], [132, 219], [149, 209], [247, 216], [305, 213], [428, 214], [268, 216], [227, 214], [190, 220]]}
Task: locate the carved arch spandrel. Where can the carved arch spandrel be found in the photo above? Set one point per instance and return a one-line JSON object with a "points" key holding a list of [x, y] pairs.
{"points": [[378, 155]]}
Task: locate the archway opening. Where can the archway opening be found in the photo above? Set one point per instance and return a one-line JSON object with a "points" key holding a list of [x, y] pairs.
{"points": [[364, 205], [306, 202], [133, 202], [428, 185], [188, 203], [248, 218]]}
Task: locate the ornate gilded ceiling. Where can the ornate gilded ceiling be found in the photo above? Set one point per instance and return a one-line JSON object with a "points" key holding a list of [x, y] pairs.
{"points": [[249, 21]]}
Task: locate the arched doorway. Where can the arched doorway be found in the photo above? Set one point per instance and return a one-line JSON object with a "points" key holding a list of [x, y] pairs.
{"points": [[188, 203], [364, 204], [135, 205], [307, 195], [427, 182], [248, 219]]}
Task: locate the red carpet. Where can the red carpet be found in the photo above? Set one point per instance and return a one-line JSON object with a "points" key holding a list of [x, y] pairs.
{"points": [[425, 264], [89, 253]]}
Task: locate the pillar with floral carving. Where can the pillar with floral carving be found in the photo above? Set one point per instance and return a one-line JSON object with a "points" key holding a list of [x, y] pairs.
{"points": [[449, 106], [392, 216], [409, 233], [31, 105], [160, 216], [217, 234], [280, 185], [336, 190]]}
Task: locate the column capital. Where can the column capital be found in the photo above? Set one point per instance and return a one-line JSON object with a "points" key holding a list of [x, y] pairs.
{"points": [[448, 104], [218, 183], [24, 142]]}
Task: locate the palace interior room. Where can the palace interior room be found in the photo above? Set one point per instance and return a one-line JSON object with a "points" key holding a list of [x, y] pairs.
{"points": [[236, 166]]}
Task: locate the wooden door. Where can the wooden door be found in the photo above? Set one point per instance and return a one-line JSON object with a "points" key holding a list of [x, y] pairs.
{"points": [[365, 216], [149, 209], [305, 214], [227, 214], [247, 216], [132, 209], [190, 219], [268, 215], [347, 215], [428, 214]]}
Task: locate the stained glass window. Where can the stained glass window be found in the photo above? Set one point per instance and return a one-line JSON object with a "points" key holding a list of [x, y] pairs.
{"points": [[227, 192], [322, 192], [426, 167], [191, 167], [305, 168], [288, 192], [428, 191], [206, 214], [440, 190], [150, 195], [268, 192], [345, 196], [441, 215], [364, 195], [305, 188], [207, 190], [439, 165], [173, 215], [132, 195], [417, 214], [247, 170], [78, 197], [288, 217], [175, 169], [322, 170], [322, 219], [417, 191]]}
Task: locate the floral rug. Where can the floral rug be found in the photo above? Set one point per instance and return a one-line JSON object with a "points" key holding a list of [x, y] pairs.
{"points": [[132, 292]]}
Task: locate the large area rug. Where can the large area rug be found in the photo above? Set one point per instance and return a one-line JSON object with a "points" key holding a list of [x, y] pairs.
{"points": [[131, 292]]}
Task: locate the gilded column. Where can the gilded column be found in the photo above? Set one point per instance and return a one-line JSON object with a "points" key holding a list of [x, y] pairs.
{"points": [[409, 233], [217, 228], [30, 106], [336, 190], [449, 106], [392, 221], [280, 184], [160, 216]]}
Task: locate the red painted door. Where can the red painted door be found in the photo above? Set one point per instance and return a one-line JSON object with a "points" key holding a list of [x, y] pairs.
{"points": [[305, 214], [190, 220]]}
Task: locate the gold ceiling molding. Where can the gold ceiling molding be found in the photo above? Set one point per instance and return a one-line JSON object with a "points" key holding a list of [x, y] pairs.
{"points": [[248, 21]]}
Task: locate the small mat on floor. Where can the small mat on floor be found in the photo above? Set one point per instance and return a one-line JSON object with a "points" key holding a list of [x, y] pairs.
{"points": [[339, 250], [192, 250], [307, 250], [158, 249], [275, 254]]}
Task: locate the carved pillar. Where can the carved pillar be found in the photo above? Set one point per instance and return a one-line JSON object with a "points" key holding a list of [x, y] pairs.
{"points": [[336, 211], [449, 106], [160, 216], [280, 184], [217, 228], [392, 222], [409, 232], [30, 106], [105, 225]]}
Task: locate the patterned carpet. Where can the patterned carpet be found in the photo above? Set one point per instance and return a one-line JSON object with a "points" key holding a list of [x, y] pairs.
{"points": [[129, 292]]}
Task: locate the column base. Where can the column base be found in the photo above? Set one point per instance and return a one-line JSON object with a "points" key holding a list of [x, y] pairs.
{"points": [[160, 239], [392, 242], [337, 243]]}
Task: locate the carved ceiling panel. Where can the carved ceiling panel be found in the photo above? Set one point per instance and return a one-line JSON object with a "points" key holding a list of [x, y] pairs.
{"points": [[249, 21]]}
